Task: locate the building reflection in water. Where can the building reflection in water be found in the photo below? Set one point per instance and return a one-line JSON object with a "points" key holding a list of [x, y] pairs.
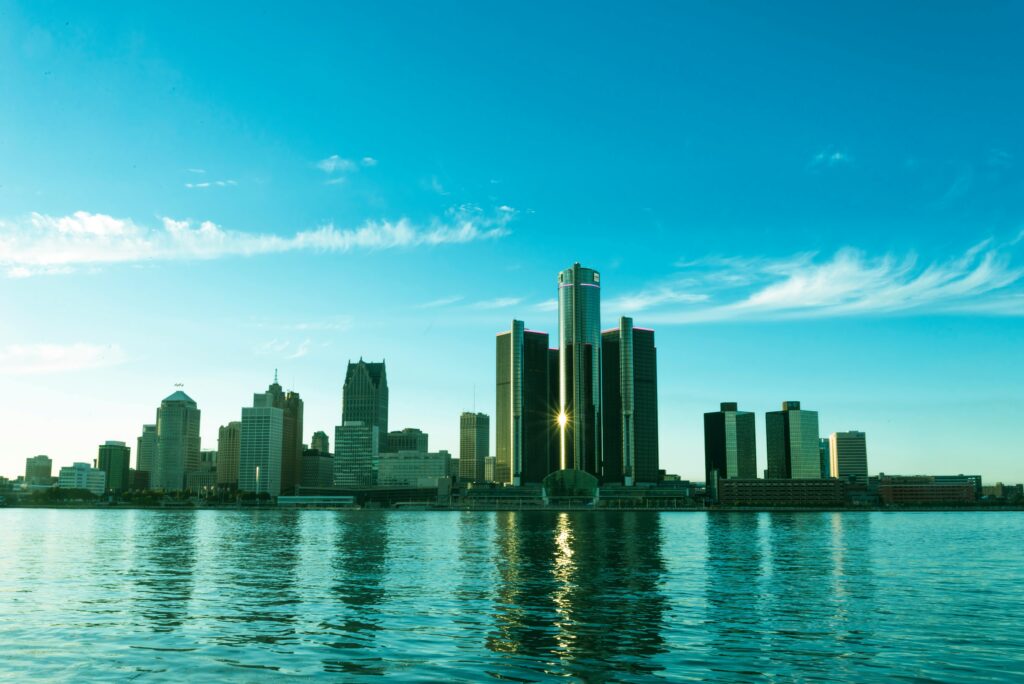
{"points": [[359, 574], [163, 571], [578, 593]]}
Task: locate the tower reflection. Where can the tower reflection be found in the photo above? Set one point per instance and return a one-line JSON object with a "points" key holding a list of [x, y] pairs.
{"points": [[164, 566]]}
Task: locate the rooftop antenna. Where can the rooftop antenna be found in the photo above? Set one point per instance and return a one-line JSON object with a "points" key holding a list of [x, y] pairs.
{"points": [[179, 384], [275, 376]]}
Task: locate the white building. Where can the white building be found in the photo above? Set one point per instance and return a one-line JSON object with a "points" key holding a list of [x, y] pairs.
{"points": [[83, 476], [259, 457], [414, 468], [848, 453]]}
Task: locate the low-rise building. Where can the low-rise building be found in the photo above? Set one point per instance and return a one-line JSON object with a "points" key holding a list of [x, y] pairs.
{"points": [[414, 468], [936, 490], [782, 493], [317, 469], [82, 476]]}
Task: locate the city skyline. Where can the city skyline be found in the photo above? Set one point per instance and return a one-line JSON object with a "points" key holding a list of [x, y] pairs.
{"points": [[831, 231]]}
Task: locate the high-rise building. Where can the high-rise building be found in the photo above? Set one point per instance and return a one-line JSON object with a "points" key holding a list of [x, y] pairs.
{"points": [[320, 442], [177, 442], [145, 449], [115, 459], [356, 454], [38, 470], [83, 476], [629, 404], [824, 453], [526, 428], [474, 443], [291, 433], [261, 440], [409, 439], [579, 367], [792, 436], [730, 445], [365, 396], [317, 469], [489, 464], [229, 449], [848, 454]]}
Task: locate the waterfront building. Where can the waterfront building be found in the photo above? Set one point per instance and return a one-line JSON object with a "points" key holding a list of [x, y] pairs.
{"points": [[414, 468], [357, 453], [848, 455], [202, 482], [489, 463], [145, 449], [38, 470], [261, 440], [579, 368], [936, 490], [177, 442], [320, 442], [83, 476], [825, 457], [317, 469], [115, 459], [291, 406], [526, 431], [474, 443], [365, 396], [407, 439], [629, 404], [792, 437], [782, 493], [208, 460], [229, 449], [730, 446]]}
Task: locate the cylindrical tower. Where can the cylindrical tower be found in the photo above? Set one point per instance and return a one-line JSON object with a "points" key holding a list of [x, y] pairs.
{"points": [[579, 368]]}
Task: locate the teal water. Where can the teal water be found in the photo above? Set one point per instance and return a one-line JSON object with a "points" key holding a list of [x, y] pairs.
{"points": [[521, 596]]}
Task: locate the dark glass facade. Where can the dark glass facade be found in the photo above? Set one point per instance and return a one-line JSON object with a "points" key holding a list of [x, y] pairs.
{"points": [[629, 404]]}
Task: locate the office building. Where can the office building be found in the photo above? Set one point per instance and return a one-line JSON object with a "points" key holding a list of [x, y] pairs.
{"points": [[792, 437], [781, 492], [409, 439], [579, 367], [527, 439], [202, 482], [83, 476], [730, 446], [38, 470], [474, 443], [291, 405], [414, 468], [356, 454], [629, 404], [229, 449], [177, 442], [365, 396], [115, 459], [848, 455], [935, 490], [145, 449], [489, 465], [317, 469], [320, 442], [261, 440], [825, 458]]}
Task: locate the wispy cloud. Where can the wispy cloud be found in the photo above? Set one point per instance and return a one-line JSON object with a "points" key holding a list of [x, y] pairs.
{"points": [[196, 170], [852, 283], [648, 299], [828, 158], [497, 303], [436, 186], [213, 184], [41, 244], [38, 359], [546, 305], [443, 301], [368, 161], [301, 350], [336, 164]]}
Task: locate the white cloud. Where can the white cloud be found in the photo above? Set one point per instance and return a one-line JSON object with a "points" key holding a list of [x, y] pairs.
{"points": [[368, 161], [196, 170], [828, 158], [851, 283], [302, 349], [648, 299], [443, 301], [37, 359], [337, 180], [40, 243], [336, 164], [212, 184], [547, 305], [497, 303], [436, 186]]}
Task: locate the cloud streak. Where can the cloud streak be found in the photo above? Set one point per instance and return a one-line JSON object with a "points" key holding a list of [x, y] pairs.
{"points": [[42, 244], [40, 359]]}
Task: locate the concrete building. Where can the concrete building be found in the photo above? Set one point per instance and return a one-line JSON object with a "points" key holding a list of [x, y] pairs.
{"points": [[527, 439], [145, 450], [261, 440], [848, 455], [115, 459], [408, 439], [229, 450], [474, 443], [177, 442], [629, 405], [792, 436], [320, 442], [201, 482], [730, 446], [579, 367], [38, 471], [414, 468], [365, 396], [357, 454], [83, 476]]}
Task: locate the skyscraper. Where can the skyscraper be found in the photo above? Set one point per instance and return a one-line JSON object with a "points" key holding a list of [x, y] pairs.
{"points": [[145, 449], [792, 436], [730, 446], [320, 442], [526, 434], [474, 443], [409, 439], [38, 470], [579, 335], [824, 453], [115, 459], [177, 442], [629, 404], [229, 449], [365, 396], [357, 451], [261, 439], [848, 452], [291, 433]]}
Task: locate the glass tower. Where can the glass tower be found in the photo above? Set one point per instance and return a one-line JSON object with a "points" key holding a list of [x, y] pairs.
{"points": [[792, 436], [579, 369]]}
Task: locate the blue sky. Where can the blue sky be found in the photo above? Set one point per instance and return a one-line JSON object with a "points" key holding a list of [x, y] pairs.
{"points": [[806, 202]]}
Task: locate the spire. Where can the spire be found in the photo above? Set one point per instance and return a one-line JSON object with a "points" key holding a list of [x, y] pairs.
{"points": [[275, 376]]}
